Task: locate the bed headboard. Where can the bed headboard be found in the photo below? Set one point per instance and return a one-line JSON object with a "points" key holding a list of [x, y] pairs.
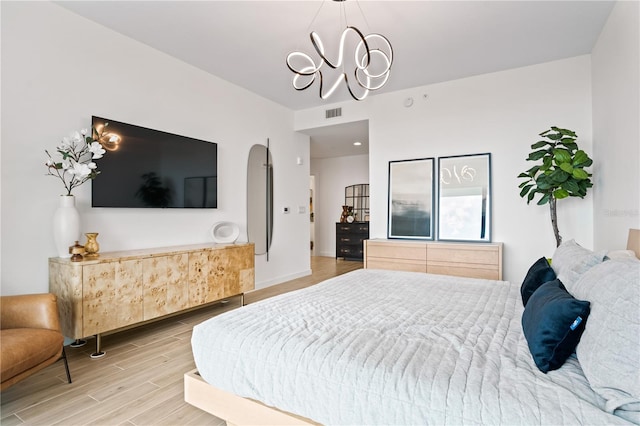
{"points": [[633, 242]]}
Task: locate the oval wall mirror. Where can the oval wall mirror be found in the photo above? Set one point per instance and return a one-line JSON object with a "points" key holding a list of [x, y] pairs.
{"points": [[260, 198]]}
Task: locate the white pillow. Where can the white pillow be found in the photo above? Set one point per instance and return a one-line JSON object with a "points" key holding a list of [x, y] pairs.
{"points": [[570, 261], [609, 350]]}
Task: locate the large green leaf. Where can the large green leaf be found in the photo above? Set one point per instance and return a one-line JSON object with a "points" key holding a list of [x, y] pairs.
{"points": [[544, 200], [571, 185], [558, 176], [536, 155], [561, 155], [584, 184], [566, 167], [560, 193], [565, 141], [523, 175], [566, 132], [555, 136], [587, 163], [539, 144], [532, 171], [580, 174], [525, 190], [580, 157], [524, 183], [531, 195], [543, 182]]}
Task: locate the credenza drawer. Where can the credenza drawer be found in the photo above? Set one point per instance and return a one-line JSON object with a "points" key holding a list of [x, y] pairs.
{"points": [[484, 255], [396, 264], [397, 250], [471, 270]]}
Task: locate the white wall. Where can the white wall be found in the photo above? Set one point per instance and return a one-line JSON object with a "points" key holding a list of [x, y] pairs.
{"points": [[58, 69], [501, 113], [332, 175], [615, 62]]}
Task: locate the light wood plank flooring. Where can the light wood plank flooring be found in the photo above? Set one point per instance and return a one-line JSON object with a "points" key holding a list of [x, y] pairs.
{"points": [[140, 380]]}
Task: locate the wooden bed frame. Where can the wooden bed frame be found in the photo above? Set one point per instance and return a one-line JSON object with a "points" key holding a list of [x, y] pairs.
{"points": [[236, 410], [633, 241]]}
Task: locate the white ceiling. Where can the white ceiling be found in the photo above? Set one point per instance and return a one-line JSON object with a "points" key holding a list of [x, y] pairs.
{"points": [[246, 42]]}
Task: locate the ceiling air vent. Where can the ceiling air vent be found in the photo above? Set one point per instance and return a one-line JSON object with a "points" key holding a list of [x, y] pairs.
{"points": [[331, 113]]}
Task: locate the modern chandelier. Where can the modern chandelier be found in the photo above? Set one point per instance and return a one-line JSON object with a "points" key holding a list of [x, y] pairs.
{"points": [[369, 71]]}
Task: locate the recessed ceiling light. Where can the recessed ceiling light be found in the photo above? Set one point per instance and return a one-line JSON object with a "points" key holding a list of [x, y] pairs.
{"points": [[357, 143]]}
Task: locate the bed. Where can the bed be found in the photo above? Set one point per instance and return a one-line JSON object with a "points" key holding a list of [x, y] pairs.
{"points": [[389, 347]]}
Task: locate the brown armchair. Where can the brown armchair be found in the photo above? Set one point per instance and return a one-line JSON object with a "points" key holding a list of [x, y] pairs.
{"points": [[30, 336]]}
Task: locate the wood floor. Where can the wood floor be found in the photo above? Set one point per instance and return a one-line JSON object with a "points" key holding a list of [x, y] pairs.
{"points": [[140, 380]]}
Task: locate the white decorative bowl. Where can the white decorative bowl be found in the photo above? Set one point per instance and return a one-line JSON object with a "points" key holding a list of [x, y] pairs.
{"points": [[225, 232]]}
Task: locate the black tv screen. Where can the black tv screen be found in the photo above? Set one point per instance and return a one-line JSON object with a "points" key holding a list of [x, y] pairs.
{"points": [[154, 169]]}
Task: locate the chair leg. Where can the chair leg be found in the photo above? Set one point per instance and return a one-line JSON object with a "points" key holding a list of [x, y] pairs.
{"points": [[66, 364]]}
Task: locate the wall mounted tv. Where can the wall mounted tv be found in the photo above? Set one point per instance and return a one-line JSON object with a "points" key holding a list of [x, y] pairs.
{"points": [[149, 168]]}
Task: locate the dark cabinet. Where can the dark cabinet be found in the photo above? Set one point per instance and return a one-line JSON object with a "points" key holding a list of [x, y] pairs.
{"points": [[349, 239]]}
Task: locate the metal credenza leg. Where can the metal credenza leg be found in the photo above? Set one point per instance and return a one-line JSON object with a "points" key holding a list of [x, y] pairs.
{"points": [[78, 343], [98, 353]]}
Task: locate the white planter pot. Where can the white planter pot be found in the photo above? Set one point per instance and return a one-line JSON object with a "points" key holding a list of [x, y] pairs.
{"points": [[66, 225]]}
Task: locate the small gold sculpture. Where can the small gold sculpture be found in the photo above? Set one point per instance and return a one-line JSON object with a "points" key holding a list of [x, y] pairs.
{"points": [[91, 247], [76, 252]]}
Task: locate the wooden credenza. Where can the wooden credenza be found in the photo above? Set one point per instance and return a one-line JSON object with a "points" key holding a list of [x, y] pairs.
{"points": [[482, 260], [122, 289]]}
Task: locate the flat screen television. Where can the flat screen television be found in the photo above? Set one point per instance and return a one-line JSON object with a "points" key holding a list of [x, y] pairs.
{"points": [[149, 168]]}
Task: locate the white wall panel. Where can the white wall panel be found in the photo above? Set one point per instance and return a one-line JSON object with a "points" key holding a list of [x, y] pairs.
{"points": [[501, 113], [615, 62], [58, 70]]}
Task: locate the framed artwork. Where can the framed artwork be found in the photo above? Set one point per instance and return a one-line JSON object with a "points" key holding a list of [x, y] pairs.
{"points": [[464, 198], [411, 197]]}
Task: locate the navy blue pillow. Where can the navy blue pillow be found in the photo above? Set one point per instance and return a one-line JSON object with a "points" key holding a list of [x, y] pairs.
{"points": [[539, 273], [553, 322]]}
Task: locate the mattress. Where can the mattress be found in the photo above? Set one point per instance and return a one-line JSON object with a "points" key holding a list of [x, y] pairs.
{"points": [[389, 347]]}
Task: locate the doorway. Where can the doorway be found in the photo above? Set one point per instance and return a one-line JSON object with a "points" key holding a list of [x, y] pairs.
{"points": [[335, 163]]}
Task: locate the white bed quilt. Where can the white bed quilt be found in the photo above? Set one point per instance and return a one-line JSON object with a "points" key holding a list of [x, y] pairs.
{"points": [[393, 348]]}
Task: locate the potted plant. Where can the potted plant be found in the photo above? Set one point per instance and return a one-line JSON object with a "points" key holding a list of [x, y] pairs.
{"points": [[559, 173]]}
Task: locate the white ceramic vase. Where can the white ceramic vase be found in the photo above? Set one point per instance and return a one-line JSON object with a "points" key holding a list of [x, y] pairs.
{"points": [[66, 225]]}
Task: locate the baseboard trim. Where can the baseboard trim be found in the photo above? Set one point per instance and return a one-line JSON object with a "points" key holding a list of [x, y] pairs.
{"points": [[279, 280]]}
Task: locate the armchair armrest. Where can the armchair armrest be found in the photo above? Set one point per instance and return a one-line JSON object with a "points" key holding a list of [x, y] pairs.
{"points": [[29, 311]]}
